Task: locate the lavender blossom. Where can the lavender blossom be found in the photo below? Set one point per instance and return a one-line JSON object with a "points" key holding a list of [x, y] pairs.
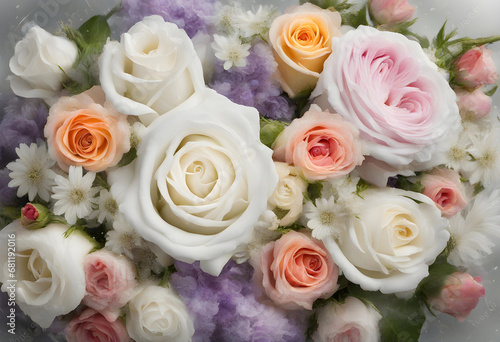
{"points": [[253, 84], [225, 308], [190, 15], [23, 122]]}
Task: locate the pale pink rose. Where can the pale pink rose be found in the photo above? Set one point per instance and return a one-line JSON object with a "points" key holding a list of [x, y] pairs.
{"points": [[385, 85], [391, 11], [90, 325], [445, 189], [476, 67], [473, 105], [352, 321], [321, 144], [109, 280], [85, 130], [459, 295], [295, 270], [301, 40]]}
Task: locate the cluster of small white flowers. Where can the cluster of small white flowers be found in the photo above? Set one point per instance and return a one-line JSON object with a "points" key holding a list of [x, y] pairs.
{"points": [[231, 50]]}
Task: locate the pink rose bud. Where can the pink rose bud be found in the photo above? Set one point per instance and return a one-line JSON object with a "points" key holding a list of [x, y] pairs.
{"points": [[35, 216], [391, 11], [473, 105], [91, 325], [475, 68], [295, 270], [459, 295], [109, 279], [445, 189]]}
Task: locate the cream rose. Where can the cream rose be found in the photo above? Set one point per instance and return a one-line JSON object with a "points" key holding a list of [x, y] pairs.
{"points": [[395, 237], [200, 181], [288, 195], [157, 314], [302, 40], [48, 270], [153, 69], [38, 63]]}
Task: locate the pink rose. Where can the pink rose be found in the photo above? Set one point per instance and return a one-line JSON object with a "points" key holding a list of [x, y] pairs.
{"points": [[386, 86], [391, 11], [85, 130], [445, 189], [476, 67], [321, 144], [473, 105], [352, 321], [295, 270], [109, 280], [459, 295], [90, 325]]}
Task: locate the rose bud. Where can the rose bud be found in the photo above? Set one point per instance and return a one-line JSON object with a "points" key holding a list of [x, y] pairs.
{"points": [[35, 216], [473, 105], [390, 11], [475, 68], [459, 295], [445, 189]]}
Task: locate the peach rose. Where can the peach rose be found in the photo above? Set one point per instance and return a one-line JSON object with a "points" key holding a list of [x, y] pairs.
{"points": [[321, 144], [109, 281], [473, 105], [90, 325], [295, 270], [85, 130], [476, 67], [390, 11], [459, 295], [302, 40], [445, 189]]}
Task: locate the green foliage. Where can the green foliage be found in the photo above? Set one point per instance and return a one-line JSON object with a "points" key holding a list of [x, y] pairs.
{"points": [[410, 183], [314, 191], [128, 157], [295, 226], [492, 91], [270, 130], [362, 186], [166, 274]]}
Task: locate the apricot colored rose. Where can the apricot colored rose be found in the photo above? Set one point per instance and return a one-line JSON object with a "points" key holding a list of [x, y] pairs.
{"points": [[295, 271], [302, 40], [85, 130], [321, 144]]}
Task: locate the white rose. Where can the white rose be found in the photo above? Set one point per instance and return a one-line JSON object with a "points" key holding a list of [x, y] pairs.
{"points": [[157, 314], [48, 270], [394, 238], [37, 63], [288, 195], [351, 321], [153, 69], [200, 181]]}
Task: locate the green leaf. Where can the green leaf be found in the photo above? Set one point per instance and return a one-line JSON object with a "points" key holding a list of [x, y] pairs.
{"points": [[314, 190], [295, 226], [362, 186], [492, 91], [128, 157], [166, 274], [95, 32], [11, 213], [270, 130], [408, 184]]}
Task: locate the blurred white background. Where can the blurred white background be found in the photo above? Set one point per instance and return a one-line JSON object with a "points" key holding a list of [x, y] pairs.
{"points": [[472, 18]]}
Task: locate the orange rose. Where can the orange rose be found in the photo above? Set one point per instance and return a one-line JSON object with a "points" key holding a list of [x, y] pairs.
{"points": [[85, 130], [302, 40]]}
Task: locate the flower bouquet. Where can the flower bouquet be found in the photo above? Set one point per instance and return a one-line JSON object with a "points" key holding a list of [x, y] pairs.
{"points": [[197, 171]]}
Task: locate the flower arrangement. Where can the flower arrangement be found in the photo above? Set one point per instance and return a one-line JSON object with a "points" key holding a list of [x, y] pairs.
{"points": [[215, 173]]}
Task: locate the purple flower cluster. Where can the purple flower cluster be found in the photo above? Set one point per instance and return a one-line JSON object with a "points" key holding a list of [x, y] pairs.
{"points": [[225, 308], [190, 15], [253, 84]]}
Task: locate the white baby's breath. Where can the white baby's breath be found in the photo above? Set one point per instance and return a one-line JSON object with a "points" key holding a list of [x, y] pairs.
{"points": [[472, 230], [123, 239], [255, 23], [107, 207], [74, 195], [31, 172], [231, 51], [327, 217], [226, 17]]}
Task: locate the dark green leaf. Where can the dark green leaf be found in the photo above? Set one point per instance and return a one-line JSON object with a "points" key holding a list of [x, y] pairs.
{"points": [[314, 190], [95, 32], [492, 91], [128, 157], [410, 184]]}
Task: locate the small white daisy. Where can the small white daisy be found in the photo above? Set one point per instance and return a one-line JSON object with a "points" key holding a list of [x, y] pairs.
{"points": [[74, 195], [327, 217], [486, 152], [123, 239], [108, 207], [255, 23], [231, 51], [471, 231], [457, 156], [32, 172]]}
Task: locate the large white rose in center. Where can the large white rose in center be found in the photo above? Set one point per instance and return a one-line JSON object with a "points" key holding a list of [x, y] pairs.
{"points": [[200, 181]]}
